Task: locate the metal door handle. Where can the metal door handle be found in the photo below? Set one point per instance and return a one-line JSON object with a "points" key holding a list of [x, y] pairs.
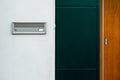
{"points": [[106, 41]]}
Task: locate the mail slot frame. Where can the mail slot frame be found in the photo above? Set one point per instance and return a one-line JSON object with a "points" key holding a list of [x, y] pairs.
{"points": [[28, 33]]}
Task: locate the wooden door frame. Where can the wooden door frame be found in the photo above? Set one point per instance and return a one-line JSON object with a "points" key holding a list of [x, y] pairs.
{"points": [[101, 39]]}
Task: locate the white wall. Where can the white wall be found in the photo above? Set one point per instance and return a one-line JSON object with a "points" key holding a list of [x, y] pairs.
{"points": [[27, 57]]}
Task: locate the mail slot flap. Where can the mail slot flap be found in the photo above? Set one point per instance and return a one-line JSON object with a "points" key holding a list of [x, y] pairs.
{"points": [[28, 28]]}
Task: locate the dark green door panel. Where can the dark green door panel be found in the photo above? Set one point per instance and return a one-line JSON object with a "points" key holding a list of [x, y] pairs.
{"points": [[77, 40], [77, 2], [77, 36], [76, 75]]}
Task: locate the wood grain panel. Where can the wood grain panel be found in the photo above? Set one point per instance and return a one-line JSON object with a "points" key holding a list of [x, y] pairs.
{"points": [[112, 32]]}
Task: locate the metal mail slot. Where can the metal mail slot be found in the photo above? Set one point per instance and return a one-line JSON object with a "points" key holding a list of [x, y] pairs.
{"points": [[24, 28]]}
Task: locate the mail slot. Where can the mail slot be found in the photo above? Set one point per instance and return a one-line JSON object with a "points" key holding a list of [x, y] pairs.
{"points": [[24, 28]]}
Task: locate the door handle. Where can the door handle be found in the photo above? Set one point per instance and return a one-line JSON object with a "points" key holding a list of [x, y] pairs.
{"points": [[106, 41]]}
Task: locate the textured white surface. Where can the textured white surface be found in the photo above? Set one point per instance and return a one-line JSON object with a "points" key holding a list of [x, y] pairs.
{"points": [[27, 57]]}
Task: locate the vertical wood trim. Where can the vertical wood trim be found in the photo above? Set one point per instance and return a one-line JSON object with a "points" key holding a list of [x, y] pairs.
{"points": [[101, 40]]}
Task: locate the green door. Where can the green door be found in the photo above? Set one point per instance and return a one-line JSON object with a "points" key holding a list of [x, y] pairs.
{"points": [[77, 39]]}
